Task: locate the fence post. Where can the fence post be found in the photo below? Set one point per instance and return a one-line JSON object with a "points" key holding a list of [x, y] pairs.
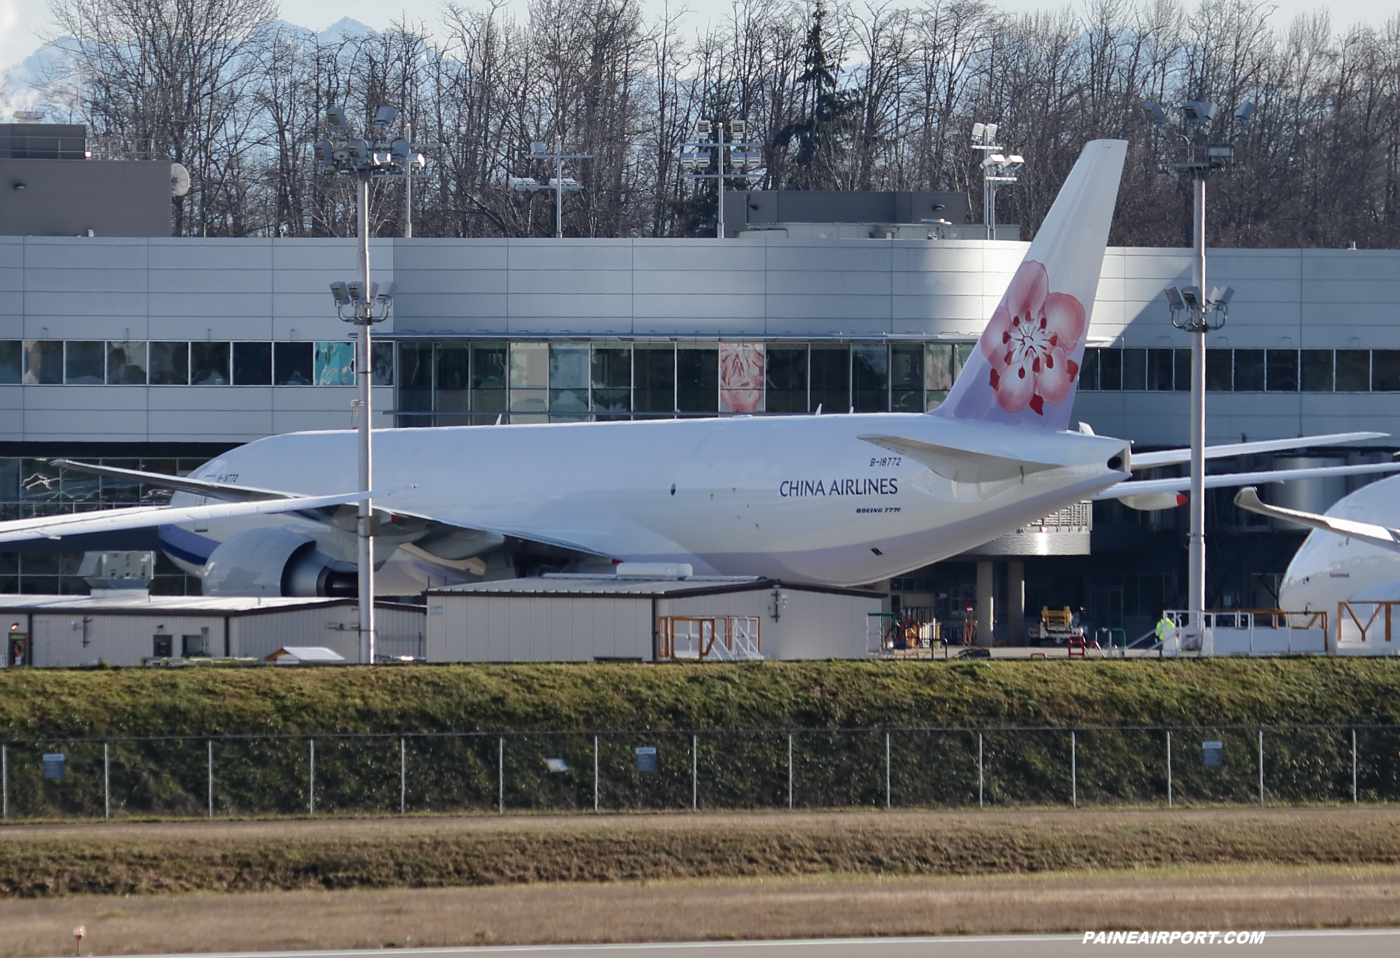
{"points": [[694, 771], [1353, 766], [979, 769], [1261, 766], [1169, 769], [209, 743], [501, 775], [5, 780], [1073, 769], [887, 770], [106, 784], [789, 771], [403, 775], [311, 779], [595, 773]]}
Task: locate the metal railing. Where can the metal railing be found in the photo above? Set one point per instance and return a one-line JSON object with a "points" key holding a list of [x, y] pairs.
{"points": [[328, 774]]}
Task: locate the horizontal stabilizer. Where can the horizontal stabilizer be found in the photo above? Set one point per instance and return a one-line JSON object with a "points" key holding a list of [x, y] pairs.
{"points": [[1172, 457], [959, 465], [144, 517], [1248, 499], [1145, 487]]}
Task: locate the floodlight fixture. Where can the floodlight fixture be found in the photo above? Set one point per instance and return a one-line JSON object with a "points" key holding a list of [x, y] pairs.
{"points": [[1174, 298], [384, 117], [1155, 114], [702, 127], [357, 290], [1220, 298], [1191, 294], [1200, 112], [341, 294], [1244, 113], [335, 115], [567, 183], [977, 130], [323, 151], [1015, 161], [991, 131], [357, 149], [1222, 151], [737, 127], [537, 148], [385, 293], [523, 184]]}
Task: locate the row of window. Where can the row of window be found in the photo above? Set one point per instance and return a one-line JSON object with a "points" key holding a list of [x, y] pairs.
{"points": [[1244, 370], [445, 382], [47, 362]]}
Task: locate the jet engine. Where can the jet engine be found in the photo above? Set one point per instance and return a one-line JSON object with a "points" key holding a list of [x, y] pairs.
{"points": [[276, 561]]}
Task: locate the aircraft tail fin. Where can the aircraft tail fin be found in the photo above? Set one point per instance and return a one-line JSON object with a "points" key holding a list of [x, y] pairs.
{"points": [[1026, 368]]}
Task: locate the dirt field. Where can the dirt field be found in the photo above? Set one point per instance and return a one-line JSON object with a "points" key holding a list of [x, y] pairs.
{"points": [[40, 861], [379, 882], [1231, 898]]}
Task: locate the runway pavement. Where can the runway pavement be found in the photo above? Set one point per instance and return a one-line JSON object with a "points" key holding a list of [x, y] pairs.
{"points": [[1353, 943]]}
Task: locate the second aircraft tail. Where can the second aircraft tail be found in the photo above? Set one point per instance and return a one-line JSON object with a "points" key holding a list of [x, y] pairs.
{"points": [[1026, 368]]}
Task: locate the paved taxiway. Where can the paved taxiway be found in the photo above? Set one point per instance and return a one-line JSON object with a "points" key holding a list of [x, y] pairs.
{"points": [[1354, 943]]}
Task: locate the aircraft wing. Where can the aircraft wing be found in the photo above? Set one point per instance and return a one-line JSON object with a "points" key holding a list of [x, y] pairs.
{"points": [[140, 517], [1153, 487], [958, 465], [1172, 457], [229, 491], [1248, 499]]}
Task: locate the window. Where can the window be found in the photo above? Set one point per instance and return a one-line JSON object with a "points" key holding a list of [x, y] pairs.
{"points": [[43, 362], [1089, 371], [1249, 370], [10, 362], [785, 374], [488, 378], [654, 383], [252, 364], [453, 379], [1134, 369], [568, 381], [334, 364], [1282, 370], [529, 381], [83, 364], [612, 382], [383, 358], [1353, 370], [1159, 369], [907, 377], [870, 378], [1110, 368], [830, 365], [697, 379], [1219, 370], [415, 382], [1183, 370], [741, 377], [1317, 370], [209, 364], [170, 364], [1385, 370], [291, 364], [126, 364]]}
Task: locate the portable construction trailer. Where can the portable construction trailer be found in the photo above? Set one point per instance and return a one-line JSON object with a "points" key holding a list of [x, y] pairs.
{"points": [[119, 629], [581, 618]]}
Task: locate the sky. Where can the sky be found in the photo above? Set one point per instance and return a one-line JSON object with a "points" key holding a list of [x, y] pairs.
{"points": [[22, 22]]}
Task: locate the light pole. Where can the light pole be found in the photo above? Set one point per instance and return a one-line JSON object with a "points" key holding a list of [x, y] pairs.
{"points": [[997, 168], [366, 305], [696, 156], [560, 183], [1189, 151]]}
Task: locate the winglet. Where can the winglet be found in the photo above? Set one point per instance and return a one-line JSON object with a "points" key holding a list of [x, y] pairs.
{"points": [[1026, 368], [1248, 499]]}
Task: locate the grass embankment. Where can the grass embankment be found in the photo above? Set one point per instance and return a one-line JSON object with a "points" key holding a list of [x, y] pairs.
{"points": [[425, 853], [37, 704]]}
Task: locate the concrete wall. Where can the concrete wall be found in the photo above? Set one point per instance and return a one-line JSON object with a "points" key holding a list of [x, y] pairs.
{"points": [[813, 625]]}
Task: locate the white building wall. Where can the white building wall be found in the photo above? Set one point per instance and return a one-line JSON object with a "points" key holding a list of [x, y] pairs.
{"points": [[57, 640], [812, 625], [536, 629]]}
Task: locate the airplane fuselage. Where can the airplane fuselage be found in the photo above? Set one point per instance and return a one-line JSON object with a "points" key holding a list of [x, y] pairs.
{"points": [[1331, 568], [798, 498]]}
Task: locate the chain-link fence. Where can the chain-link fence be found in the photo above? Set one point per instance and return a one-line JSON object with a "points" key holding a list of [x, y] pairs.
{"points": [[333, 774]]}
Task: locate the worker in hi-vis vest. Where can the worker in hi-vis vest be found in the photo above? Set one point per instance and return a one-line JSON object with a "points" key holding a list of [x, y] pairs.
{"points": [[1163, 625]]}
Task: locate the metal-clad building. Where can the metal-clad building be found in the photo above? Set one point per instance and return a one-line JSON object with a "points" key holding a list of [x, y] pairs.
{"points": [[582, 618], [68, 631]]}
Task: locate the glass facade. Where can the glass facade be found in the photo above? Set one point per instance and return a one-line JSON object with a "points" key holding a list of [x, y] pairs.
{"points": [[49, 362], [1244, 370]]}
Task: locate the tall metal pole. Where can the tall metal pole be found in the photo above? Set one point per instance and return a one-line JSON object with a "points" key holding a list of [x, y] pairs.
{"points": [[408, 189], [719, 136], [1196, 555], [364, 373], [558, 186]]}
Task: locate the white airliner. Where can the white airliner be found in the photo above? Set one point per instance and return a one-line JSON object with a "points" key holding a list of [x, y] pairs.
{"points": [[842, 500], [1352, 554]]}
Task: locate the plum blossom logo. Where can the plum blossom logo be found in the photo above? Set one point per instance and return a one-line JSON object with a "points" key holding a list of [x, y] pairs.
{"points": [[1030, 340]]}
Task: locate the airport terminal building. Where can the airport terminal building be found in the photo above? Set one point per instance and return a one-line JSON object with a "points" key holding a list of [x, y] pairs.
{"points": [[160, 352]]}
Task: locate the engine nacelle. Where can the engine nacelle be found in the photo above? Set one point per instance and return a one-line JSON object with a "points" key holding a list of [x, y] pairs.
{"points": [[276, 561]]}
